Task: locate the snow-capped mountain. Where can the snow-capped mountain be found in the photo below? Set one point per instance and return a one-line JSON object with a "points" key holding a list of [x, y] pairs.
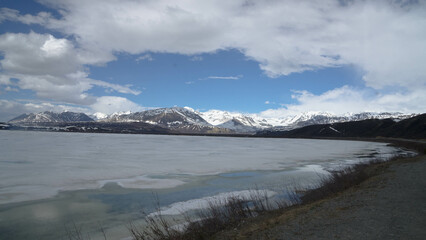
{"points": [[312, 118], [305, 119], [176, 118], [98, 116], [235, 121], [187, 120], [164, 116], [45, 117], [254, 122]]}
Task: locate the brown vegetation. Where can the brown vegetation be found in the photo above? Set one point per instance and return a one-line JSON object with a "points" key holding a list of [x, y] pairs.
{"points": [[235, 212]]}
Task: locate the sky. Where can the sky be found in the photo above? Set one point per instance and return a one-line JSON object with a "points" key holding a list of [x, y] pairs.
{"points": [[274, 58]]}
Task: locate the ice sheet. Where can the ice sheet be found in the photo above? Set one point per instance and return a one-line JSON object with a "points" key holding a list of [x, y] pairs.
{"points": [[35, 165]]}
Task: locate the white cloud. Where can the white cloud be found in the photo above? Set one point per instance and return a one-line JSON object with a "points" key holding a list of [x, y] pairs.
{"points": [[13, 15], [384, 38], [11, 89], [112, 104], [51, 67], [196, 58], [346, 99], [146, 57], [38, 54], [226, 77], [267, 102], [116, 87], [215, 78]]}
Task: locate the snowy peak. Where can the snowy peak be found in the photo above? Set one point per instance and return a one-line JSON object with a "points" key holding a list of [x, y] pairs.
{"points": [[252, 122], [45, 117], [163, 116], [216, 117], [371, 115], [188, 120], [98, 116], [236, 125], [224, 118], [184, 120]]}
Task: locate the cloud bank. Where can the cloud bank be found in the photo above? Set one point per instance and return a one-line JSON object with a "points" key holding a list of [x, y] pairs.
{"points": [[53, 68], [384, 39], [351, 100]]}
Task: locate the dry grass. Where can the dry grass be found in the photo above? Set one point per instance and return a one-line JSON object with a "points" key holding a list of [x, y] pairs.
{"points": [[220, 215], [234, 212], [338, 181]]}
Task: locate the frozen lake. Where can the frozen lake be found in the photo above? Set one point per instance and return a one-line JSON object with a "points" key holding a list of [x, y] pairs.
{"points": [[51, 178]]}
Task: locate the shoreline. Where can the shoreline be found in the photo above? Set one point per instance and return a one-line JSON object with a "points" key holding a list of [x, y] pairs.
{"points": [[388, 205], [105, 192]]}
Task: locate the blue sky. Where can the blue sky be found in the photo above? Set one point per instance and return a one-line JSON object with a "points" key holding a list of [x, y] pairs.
{"points": [[272, 58], [224, 80]]}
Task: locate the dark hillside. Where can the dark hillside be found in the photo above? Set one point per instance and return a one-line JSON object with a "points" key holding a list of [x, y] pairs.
{"points": [[414, 128]]}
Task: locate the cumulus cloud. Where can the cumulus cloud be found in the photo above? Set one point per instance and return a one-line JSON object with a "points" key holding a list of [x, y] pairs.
{"points": [[384, 38], [112, 104], [347, 99], [37, 54], [51, 67]]}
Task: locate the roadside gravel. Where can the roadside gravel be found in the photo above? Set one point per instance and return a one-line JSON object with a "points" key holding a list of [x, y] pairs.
{"points": [[390, 205]]}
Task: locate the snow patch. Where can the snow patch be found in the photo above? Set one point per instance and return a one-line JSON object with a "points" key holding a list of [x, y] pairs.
{"points": [[219, 199], [143, 182], [99, 115], [334, 129]]}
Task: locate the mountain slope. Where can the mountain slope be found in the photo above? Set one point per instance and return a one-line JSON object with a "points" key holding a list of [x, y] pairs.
{"points": [[93, 127], [44, 117], [250, 122], [414, 127], [238, 126], [221, 118], [312, 118], [187, 120], [165, 116], [179, 119]]}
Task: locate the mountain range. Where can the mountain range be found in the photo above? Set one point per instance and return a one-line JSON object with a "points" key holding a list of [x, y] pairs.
{"points": [[51, 117], [188, 120], [414, 127]]}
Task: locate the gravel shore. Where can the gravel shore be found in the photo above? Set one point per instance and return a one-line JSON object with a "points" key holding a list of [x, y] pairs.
{"points": [[390, 205]]}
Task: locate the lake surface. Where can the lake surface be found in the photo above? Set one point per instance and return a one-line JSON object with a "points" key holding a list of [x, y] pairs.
{"points": [[49, 181]]}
